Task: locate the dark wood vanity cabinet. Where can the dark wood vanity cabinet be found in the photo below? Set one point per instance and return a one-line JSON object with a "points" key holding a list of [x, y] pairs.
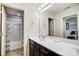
{"points": [[33, 48], [36, 49]]}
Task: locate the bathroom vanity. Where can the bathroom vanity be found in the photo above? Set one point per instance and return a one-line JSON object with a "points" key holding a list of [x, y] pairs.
{"points": [[39, 50], [51, 46]]}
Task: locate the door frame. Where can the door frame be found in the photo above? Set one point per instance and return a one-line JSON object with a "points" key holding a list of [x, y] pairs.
{"points": [[2, 46], [49, 25], [64, 21], [17, 8]]}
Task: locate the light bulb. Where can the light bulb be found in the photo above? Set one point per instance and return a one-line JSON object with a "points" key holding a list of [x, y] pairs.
{"points": [[39, 8], [42, 5]]}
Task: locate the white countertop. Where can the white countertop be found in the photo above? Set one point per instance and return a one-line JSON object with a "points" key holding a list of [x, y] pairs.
{"points": [[56, 45]]}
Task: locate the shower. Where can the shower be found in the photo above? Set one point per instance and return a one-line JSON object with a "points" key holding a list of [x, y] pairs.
{"points": [[14, 31]]}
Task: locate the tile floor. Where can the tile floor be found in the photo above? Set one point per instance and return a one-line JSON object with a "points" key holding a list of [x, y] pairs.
{"points": [[17, 52]]}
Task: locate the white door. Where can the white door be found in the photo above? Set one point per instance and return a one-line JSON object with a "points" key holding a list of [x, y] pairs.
{"points": [[3, 48]]}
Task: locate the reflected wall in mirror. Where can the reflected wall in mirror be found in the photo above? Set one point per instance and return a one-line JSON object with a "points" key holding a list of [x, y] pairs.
{"points": [[70, 27]]}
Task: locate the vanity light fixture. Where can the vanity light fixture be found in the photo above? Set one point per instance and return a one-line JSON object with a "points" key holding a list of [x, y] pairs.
{"points": [[47, 6], [44, 7], [41, 7]]}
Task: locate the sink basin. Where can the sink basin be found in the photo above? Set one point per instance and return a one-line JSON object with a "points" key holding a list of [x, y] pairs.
{"points": [[42, 37], [56, 40], [45, 38]]}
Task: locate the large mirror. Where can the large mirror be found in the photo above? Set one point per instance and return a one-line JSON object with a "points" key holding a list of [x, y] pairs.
{"points": [[60, 20]]}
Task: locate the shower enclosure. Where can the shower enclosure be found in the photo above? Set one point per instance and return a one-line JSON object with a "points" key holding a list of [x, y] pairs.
{"points": [[14, 31]]}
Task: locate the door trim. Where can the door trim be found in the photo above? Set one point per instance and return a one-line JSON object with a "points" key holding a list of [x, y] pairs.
{"points": [[49, 26], [64, 20]]}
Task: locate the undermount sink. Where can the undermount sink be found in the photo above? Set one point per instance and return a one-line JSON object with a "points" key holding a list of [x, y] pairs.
{"points": [[56, 40], [44, 38]]}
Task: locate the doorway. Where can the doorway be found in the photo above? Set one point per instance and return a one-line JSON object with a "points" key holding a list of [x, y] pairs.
{"points": [[12, 29], [71, 27], [51, 26]]}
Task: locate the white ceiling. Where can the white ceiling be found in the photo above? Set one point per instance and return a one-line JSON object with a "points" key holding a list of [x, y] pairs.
{"points": [[55, 8], [36, 4], [58, 7]]}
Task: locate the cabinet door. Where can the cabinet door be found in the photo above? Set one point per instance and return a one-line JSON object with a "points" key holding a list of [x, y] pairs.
{"points": [[31, 49], [34, 50], [43, 51]]}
